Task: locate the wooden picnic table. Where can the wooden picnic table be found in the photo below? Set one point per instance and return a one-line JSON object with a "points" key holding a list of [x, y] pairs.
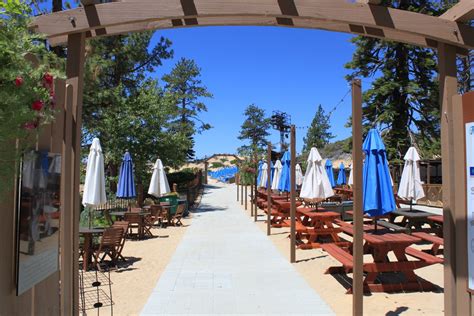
{"points": [[88, 234], [318, 224], [140, 222], [411, 219], [379, 246]]}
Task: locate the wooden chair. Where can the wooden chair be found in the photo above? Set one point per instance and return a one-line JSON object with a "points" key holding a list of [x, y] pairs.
{"points": [[135, 221], [124, 226], [109, 246], [176, 218]]}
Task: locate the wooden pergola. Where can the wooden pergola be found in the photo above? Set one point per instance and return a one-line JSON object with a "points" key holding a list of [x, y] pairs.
{"points": [[448, 34]]}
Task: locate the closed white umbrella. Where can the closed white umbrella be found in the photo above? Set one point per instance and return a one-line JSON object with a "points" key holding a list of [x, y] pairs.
{"points": [[159, 182], [277, 175], [410, 184], [351, 177], [263, 179], [299, 175], [316, 184], [94, 186]]}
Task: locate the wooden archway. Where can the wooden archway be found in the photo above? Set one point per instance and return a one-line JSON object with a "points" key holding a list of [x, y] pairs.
{"points": [[447, 34], [333, 15]]}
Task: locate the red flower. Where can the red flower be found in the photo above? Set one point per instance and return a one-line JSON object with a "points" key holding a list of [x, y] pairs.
{"points": [[18, 81], [30, 125], [37, 105], [48, 78]]}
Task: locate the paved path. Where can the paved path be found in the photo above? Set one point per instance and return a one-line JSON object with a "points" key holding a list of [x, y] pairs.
{"points": [[226, 265]]}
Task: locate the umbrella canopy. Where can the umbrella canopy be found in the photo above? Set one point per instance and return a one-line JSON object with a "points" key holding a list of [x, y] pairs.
{"points": [[341, 177], [410, 184], [159, 182], [259, 175], [94, 186], [315, 183], [276, 175], [126, 183], [264, 175], [299, 175], [285, 173], [350, 181], [378, 193], [330, 173]]}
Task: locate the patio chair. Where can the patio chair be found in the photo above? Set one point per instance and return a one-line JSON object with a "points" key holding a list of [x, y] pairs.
{"points": [[135, 221], [109, 246], [176, 218], [124, 226]]}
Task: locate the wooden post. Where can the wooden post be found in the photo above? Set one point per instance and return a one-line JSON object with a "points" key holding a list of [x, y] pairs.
{"points": [[75, 78], [241, 191], [251, 199], [448, 88], [460, 187], [269, 189], [206, 167], [428, 173], [245, 196], [255, 213], [358, 253], [293, 195], [237, 179]]}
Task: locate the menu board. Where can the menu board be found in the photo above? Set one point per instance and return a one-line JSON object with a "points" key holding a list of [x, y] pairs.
{"points": [[38, 219]]}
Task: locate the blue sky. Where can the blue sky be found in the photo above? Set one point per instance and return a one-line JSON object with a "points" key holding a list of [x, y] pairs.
{"points": [[290, 70]]}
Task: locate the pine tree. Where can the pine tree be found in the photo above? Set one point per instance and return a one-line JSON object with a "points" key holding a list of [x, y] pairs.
{"points": [[185, 84], [403, 99], [254, 129], [318, 134]]}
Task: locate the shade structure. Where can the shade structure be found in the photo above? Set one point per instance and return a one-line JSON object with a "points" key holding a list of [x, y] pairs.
{"points": [[159, 182], [299, 175], [411, 187], [316, 184], [341, 176], [285, 183], [350, 181], [259, 175], [126, 182], [377, 187], [276, 175], [94, 185], [330, 172]]}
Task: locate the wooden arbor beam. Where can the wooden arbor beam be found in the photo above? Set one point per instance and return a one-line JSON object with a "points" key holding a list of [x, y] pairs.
{"points": [[336, 15], [461, 12]]}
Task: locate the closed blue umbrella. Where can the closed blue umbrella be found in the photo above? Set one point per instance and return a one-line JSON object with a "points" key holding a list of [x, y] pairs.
{"points": [[330, 172], [341, 177], [284, 185], [126, 183], [378, 193]]}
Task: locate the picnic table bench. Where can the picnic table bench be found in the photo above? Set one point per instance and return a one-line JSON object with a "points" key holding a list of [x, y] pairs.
{"points": [[319, 225], [435, 240], [379, 246]]}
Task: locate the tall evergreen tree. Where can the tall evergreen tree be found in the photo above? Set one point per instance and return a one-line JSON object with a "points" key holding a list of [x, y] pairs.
{"points": [[318, 134], [124, 108], [254, 129], [185, 84], [403, 99]]}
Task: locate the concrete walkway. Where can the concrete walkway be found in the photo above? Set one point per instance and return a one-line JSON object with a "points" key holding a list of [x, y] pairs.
{"points": [[226, 265]]}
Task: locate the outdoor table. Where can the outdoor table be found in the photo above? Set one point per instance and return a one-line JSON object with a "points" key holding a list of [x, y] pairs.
{"points": [[141, 224], [319, 224], [121, 214], [412, 219], [280, 212], [379, 245], [88, 234]]}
